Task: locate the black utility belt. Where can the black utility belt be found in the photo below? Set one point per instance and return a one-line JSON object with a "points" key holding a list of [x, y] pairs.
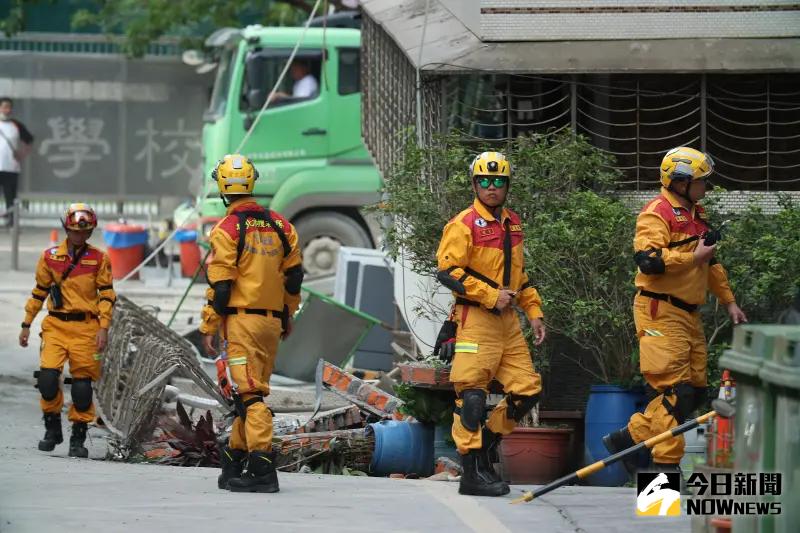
{"points": [[464, 301], [677, 302], [472, 303], [248, 311], [72, 317]]}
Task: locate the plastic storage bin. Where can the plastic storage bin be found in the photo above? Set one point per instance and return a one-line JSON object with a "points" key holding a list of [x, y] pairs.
{"points": [[190, 251], [125, 244]]}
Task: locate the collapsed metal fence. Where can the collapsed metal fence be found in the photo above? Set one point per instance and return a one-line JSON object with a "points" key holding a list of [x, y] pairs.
{"points": [[141, 356]]}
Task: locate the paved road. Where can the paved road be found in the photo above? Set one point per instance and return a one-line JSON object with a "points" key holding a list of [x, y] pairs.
{"points": [[41, 492]]}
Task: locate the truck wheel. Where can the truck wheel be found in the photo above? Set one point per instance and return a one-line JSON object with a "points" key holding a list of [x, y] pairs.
{"points": [[322, 234]]}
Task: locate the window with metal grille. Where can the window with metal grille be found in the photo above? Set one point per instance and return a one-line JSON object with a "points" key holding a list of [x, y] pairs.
{"points": [[750, 124]]}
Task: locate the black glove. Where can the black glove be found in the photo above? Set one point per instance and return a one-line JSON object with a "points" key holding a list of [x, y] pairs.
{"points": [[445, 346]]}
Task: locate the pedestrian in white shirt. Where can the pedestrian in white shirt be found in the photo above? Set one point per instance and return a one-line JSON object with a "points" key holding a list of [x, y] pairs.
{"points": [[15, 145]]}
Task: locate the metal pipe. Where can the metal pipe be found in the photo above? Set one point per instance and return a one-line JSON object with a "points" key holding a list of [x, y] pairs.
{"points": [[15, 223]]}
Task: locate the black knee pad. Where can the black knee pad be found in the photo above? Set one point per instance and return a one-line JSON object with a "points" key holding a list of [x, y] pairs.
{"points": [[48, 383], [82, 393], [519, 406], [473, 409], [684, 406]]}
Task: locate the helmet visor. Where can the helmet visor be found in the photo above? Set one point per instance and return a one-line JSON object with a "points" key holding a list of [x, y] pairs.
{"points": [[81, 220], [682, 172]]}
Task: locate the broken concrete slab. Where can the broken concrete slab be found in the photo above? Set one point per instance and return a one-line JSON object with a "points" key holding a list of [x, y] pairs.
{"points": [[369, 398]]}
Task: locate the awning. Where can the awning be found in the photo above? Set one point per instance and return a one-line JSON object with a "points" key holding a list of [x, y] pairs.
{"points": [[450, 47]]}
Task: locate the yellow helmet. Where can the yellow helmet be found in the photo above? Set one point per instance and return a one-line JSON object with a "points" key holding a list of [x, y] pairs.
{"points": [[79, 217], [490, 164], [235, 174], [685, 163]]}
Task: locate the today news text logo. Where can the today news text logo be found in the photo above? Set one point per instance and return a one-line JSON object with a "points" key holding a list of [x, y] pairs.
{"points": [[718, 493]]}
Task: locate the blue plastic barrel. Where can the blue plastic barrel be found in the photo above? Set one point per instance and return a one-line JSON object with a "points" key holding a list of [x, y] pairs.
{"points": [[609, 409], [402, 448]]}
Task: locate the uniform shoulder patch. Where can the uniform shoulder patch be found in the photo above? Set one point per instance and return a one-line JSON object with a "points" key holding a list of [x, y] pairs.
{"points": [[662, 208], [467, 217], [230, 225]]}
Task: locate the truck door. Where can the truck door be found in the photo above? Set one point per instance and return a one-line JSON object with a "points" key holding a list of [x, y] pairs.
{"points": [[295, 124]]}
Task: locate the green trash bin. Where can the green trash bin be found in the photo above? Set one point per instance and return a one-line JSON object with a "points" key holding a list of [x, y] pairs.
{"points": [[754, 440], [782, 373]]}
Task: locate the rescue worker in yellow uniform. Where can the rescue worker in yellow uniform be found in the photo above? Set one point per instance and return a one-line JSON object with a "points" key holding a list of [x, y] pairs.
{"points": [[674, 249], [77, 278], [255, 277], [480, 258]]}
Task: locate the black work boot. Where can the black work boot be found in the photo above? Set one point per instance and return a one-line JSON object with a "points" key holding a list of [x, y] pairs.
{"points": [[621, 440], [76, 440], [490, 443], [260, 476], [52, 432], [232, 463], [476, 480]]}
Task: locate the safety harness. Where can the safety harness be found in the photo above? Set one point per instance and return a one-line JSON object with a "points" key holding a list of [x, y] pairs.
{"points": [[264, 215], [481, 277]]}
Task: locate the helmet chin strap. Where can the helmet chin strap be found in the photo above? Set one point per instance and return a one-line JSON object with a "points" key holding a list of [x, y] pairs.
{"points": [[684, 195]]}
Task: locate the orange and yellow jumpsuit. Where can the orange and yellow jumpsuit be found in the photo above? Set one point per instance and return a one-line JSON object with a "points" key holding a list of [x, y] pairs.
{"points": [[672, 345], [486, 254], [252, 323], [70, 333]]}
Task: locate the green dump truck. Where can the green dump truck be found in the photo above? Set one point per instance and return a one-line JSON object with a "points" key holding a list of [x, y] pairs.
{"points": [[314, 167]]}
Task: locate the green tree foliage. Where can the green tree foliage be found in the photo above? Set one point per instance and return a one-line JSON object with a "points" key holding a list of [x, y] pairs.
{"points": [[761, 253], [141, 22]]}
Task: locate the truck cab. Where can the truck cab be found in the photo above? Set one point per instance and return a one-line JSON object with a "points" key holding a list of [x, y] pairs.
{"points": [[307, 145]]}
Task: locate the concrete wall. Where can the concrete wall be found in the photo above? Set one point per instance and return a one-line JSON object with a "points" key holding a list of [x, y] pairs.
{"points": [[106, 126]]}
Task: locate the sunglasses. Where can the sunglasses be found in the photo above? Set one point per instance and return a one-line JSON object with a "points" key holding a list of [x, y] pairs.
{"points": [[485, 181]]}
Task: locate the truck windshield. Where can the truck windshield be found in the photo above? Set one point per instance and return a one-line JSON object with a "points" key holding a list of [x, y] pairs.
{"points": [[262, 70], [222, 83]]}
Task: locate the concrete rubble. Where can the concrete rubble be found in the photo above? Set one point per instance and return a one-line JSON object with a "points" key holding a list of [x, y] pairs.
{"points": [[50, 492]]}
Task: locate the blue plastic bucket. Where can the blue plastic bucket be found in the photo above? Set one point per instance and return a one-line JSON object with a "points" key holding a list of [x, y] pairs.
{"points": [[124, 236], [186, 235], [402, 448], [609, 409]]}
